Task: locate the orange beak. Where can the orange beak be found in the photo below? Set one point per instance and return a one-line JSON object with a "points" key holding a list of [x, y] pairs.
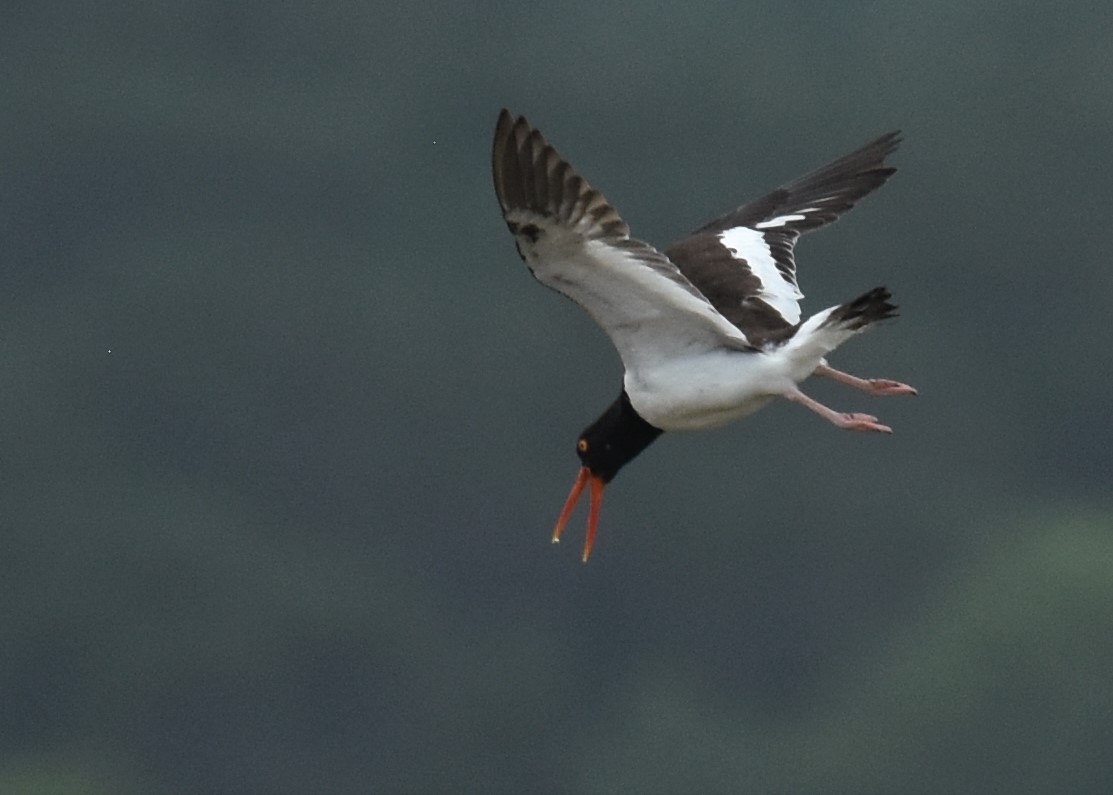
{"points": [[597, 485]]}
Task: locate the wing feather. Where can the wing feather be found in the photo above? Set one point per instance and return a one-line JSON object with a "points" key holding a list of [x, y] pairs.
{"points": [[743, 261], [575, 242]]}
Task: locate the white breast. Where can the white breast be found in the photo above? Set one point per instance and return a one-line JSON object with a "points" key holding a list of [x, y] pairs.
{"points": [[706, 391]]}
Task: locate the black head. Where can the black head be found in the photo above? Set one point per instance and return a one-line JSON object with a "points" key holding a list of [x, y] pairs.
{"points": [[614, 439], [605, 447]]}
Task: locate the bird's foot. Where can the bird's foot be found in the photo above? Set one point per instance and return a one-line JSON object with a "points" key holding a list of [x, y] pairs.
{"points": [[874, 386], [859, 422], [883, 386], [840, 419]]}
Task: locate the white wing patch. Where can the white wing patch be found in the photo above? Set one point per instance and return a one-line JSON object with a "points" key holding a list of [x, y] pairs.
{"points": [[777, 291], [781, 220], [778, 221]]}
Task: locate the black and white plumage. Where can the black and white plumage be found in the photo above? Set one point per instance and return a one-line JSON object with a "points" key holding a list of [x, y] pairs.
{"points": [[709, 330]]}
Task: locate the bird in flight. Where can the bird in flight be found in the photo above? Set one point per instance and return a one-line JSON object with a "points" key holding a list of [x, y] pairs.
{"points": [[709, 330]]}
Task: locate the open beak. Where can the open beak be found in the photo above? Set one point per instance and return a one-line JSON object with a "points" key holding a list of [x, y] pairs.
{"points": [[597, 485]]}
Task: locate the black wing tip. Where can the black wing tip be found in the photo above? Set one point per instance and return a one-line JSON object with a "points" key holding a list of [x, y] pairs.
{"points": [[515, 150], [871, 157], [829, 191], [502, 126], [530, 175], [506, 118], [866, 159], [893, 138], [883, 145], [508, 124]]}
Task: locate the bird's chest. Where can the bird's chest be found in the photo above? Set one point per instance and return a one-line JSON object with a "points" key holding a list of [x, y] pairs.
{"points": [[702, 392]]}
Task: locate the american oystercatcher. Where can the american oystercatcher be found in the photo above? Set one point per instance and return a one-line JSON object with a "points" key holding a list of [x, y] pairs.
{"points": [[708, 330]]}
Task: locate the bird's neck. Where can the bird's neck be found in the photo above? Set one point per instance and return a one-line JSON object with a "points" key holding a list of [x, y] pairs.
{"points": [[618, 436]]}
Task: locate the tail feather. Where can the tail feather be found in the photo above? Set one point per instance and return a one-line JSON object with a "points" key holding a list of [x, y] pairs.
{"points": [[867, 308], [823, 332]]}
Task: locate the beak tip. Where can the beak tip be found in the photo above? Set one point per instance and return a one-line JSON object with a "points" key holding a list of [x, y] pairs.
{"points": [[585, 478]]}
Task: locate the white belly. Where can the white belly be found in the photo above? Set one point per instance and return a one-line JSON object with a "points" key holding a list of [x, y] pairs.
{"points": [[711, 389]]}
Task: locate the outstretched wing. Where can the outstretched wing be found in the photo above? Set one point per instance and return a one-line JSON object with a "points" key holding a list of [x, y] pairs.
{"points": [[574, 242], [743, 261]]}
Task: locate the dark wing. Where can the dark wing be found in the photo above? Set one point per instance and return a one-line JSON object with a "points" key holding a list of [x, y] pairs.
{"points": [[574, 242], [743, 261]]}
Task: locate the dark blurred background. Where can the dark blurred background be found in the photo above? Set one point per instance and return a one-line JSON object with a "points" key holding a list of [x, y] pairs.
{"points": [[286, 423]]}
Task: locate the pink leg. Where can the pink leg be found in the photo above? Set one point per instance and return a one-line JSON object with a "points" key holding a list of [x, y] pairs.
{"points": [[852, 422], [875, 386]]}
